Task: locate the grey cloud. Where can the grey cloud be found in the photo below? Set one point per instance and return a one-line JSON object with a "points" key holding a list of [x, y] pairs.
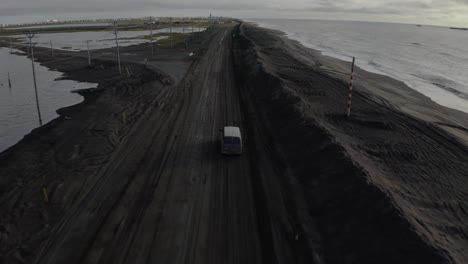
{"points": [[257, 8], [43, 6], [460, 1]]}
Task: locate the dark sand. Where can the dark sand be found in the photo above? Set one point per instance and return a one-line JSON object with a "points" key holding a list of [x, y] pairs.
{"points": [[134, 174], [388, 185]]}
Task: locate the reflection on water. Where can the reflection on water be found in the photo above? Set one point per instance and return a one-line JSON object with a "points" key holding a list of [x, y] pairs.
{"points": [[18, 114], [101, 39]]}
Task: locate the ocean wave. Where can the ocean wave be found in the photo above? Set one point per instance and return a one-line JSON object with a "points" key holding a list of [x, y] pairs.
{"points": [[454, 91], [444, 84]]}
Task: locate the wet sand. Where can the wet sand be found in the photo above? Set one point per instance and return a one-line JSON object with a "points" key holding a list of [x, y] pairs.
{"points": [[133, 173]]}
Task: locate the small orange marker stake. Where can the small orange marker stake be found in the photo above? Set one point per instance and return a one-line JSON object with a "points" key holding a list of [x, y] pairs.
{"points": [[46, 196]]}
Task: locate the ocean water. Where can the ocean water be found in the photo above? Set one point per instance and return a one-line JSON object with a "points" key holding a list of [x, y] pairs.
{"points": [[18, 114], [432, 60]]}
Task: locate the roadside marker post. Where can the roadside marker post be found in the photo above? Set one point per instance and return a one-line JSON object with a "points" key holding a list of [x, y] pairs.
{"points": [[51, 49], [350, 90], [9, 80], [128, 72]]}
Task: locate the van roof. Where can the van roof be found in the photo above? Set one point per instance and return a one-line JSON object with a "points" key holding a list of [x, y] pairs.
{"points": [[230, 131]]}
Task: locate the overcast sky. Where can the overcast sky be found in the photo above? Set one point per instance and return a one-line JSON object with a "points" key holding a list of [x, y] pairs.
{"points": [[436, 12]]}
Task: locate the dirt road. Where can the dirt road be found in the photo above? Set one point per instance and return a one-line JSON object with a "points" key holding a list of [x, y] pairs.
{"points": [[166, 195], [135, 174]]}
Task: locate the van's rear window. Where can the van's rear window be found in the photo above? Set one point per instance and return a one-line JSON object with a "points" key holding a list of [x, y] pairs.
{"points": [[231, 140]]}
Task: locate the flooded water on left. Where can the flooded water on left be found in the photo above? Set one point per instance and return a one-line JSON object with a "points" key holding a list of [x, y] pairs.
{"points": [[18, 112]]}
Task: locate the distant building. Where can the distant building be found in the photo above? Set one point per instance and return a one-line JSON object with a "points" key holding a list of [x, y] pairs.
{"points": [[212, 19]]}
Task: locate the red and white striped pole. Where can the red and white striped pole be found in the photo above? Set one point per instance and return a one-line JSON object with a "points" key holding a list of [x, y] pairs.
{"points": [[350, 91]]}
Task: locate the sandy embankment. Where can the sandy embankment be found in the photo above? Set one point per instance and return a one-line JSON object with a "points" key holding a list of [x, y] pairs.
{"points": [[389, 184]]}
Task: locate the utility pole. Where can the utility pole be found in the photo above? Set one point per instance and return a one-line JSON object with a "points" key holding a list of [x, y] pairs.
{"points": [[170, 30], [89, 54], [151, 36], [51, 49], [31, 48], [117, 45]]}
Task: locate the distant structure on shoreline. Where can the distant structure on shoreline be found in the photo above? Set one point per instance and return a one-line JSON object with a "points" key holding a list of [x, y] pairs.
{"points": [[458, 28]]}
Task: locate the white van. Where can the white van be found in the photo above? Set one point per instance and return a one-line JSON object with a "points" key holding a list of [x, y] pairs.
{"points": [[231, 142]]}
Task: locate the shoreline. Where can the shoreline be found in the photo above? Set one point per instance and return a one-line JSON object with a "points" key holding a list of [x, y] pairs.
{"points": [[405, 98], [372, 69], [88, 94]]}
